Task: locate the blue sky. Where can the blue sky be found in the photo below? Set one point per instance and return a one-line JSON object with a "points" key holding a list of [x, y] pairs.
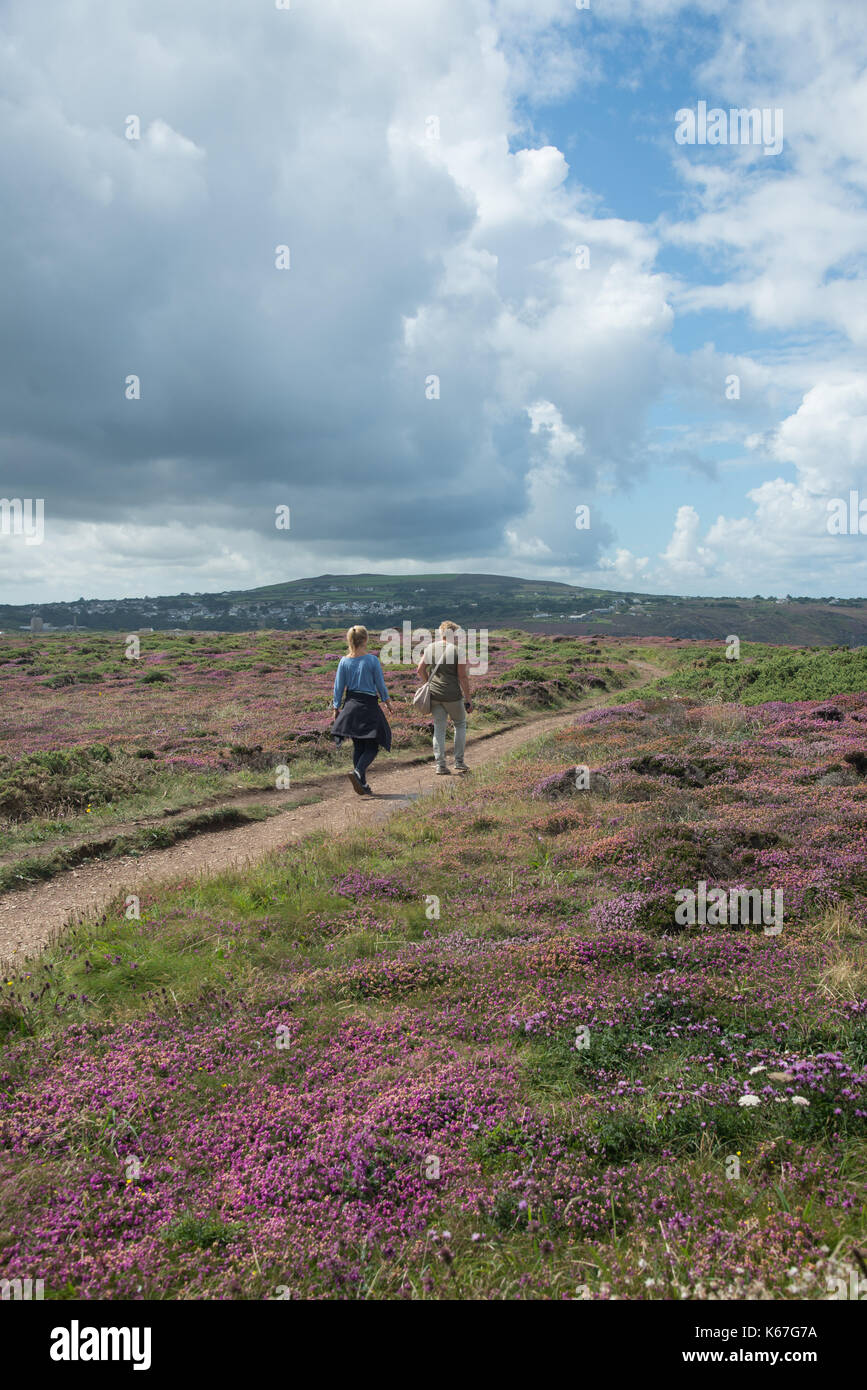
{"points": [[617, 136], [432, 170]]}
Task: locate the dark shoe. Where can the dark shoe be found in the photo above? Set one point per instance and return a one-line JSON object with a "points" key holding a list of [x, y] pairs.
{"points": [[461, 768], [357, 783], [442, 770], [366, 789]]}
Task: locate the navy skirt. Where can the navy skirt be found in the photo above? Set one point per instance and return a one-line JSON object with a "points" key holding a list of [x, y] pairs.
{"points": [[361, 717]]}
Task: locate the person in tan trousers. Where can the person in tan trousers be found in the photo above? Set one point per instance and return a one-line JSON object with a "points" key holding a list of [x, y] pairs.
{"points": [[449, 694]]}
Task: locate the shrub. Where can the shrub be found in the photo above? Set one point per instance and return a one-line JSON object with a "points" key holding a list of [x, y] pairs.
{"points": [[528, 673], [203, 1232]]}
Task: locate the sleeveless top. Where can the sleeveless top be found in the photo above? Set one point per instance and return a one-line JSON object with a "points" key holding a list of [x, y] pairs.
{"points": [[445, 684]]}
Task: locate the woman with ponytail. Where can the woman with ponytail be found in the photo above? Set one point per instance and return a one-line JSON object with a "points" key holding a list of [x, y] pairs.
{"points": [[359, 677]]}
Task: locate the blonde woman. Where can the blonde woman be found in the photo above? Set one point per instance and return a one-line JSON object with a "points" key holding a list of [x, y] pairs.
{"points": [[359, 677], [449, 694]]}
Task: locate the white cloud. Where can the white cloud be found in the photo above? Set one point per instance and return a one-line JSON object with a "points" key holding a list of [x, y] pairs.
{"points": [[625, 565], [160, 137], [685, 557], [791, 240], [826, 438], [531, 549], [784, 542]]}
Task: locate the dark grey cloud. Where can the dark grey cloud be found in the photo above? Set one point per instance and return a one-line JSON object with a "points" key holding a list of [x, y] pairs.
{"points": [[155, 257]]}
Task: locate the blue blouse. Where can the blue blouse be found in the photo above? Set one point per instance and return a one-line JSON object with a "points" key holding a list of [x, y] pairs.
{"points": [[362, 673]]}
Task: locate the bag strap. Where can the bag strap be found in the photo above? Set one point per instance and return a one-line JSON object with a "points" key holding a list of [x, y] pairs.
{"points": [[440, 662]]}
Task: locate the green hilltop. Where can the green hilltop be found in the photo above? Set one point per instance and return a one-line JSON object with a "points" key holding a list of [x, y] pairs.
{"points": [[478, 600]]}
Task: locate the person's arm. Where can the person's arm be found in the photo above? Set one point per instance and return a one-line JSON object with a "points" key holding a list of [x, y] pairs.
{"points": [[421, 668], [379, 680], [464, 679], [339, 684]]}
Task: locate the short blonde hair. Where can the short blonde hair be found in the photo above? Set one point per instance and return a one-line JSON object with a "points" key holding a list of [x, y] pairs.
{"points": [[448, 627], [355, 638]]}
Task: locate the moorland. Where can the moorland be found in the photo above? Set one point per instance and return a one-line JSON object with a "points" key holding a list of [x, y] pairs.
{"points": [[469, 1052]]}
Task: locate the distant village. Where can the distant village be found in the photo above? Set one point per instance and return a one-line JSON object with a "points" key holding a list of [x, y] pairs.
{"points": [[275, 612], [207, 609], [305, 604]]}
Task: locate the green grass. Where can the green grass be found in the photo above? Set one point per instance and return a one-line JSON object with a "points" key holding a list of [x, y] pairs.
{"points": [[764, 673]]}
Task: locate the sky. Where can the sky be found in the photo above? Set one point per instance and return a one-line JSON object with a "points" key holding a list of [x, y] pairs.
{"points": [[425, 277]]}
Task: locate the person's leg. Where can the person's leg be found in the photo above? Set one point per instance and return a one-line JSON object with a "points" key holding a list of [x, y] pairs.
{"points": [[438, 711], [460, 736], [458, 715], [369, 750], [357, 750]]}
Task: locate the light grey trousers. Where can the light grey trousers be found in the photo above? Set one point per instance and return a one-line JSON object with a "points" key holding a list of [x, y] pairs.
{"points": [[453, 710]]}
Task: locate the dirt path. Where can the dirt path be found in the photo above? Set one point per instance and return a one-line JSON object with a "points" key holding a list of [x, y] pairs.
{"points": [[32, 917]]}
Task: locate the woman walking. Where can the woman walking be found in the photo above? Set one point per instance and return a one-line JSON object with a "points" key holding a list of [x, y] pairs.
{"points": [[449, 694], [359, 676]]}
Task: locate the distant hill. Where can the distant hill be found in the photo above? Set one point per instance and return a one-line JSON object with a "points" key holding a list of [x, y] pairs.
{"points": [[474, 600]]}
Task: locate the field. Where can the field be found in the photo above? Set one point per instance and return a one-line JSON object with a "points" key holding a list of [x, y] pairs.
{"points": [[472, 1052], [101, 751]]}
